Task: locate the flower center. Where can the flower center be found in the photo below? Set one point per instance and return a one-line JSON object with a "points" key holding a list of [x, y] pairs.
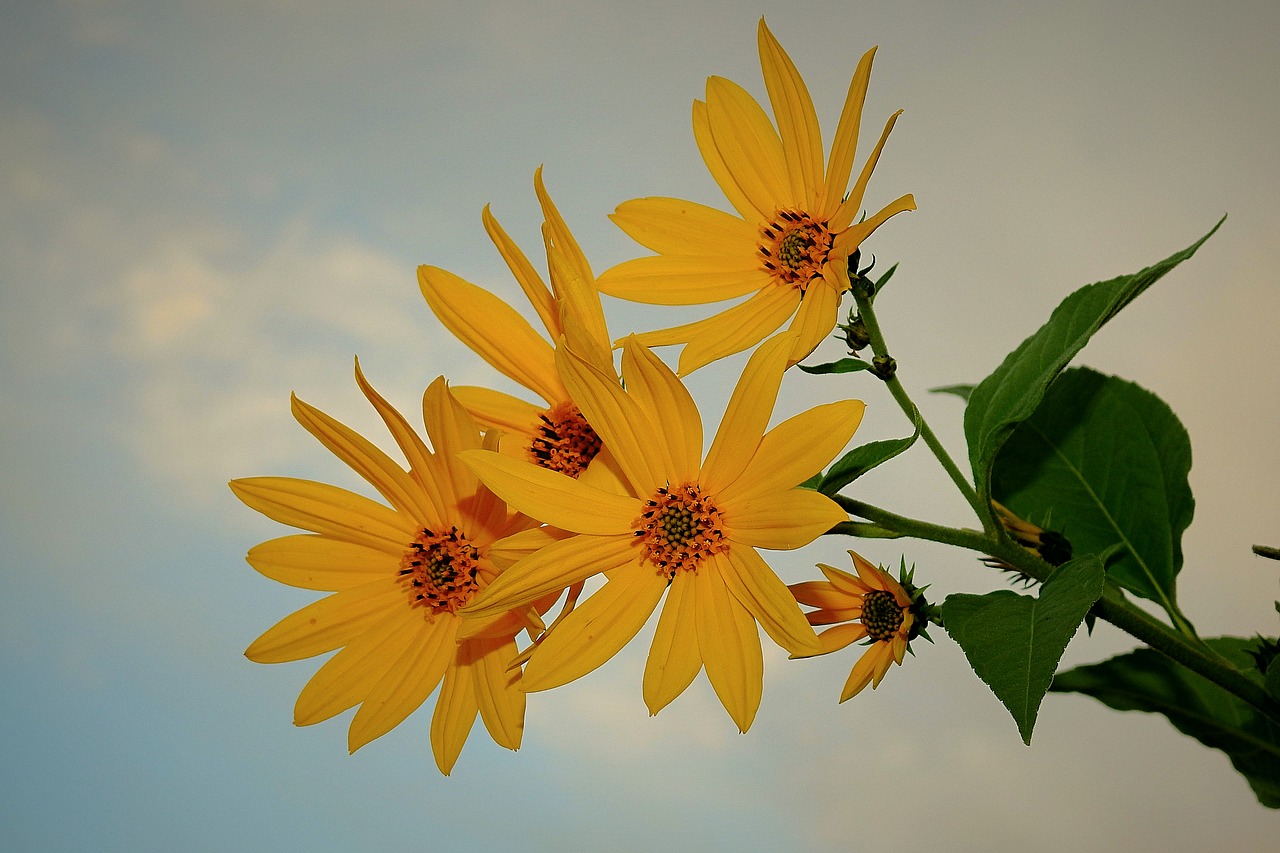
{"points": [[793, 247], [439, 570], [679, 528], [881, 615], [563, 440]]}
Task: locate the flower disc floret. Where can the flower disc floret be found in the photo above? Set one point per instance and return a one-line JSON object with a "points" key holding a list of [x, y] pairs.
{"points": [[793, 248], [563, 440], [679, 528], [881, 615], [440, 570]]}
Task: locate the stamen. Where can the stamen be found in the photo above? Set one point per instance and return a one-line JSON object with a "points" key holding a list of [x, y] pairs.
{"points": [[679, 528], [881, 615], [793, 248], [564, 441], [439, 570]]}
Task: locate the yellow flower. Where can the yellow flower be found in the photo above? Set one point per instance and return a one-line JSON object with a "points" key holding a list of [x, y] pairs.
{"points": [[685, 525], [399, 576], [871, 605], [554, 435], [795, 230]]}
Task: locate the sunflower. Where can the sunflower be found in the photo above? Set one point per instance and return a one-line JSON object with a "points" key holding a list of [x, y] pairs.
{"points": [[554, 435], [686, 526], [871, 605], [795, 227], [399, 576]]}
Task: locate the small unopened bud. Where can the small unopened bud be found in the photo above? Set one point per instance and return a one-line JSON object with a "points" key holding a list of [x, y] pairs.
{"points": [[855, 334], [884, 366]]}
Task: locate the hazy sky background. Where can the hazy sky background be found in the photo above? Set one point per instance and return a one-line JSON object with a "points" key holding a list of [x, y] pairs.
{"points": [[204, 206]]}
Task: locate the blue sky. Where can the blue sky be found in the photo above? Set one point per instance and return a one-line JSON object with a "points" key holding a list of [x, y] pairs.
{"points": [[206, 206]]}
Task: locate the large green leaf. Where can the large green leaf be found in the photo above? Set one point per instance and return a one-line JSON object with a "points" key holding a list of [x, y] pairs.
{"points": [[1010, 394], [1014, 642], [1146, 680], [862, 459], [1105, 463]]}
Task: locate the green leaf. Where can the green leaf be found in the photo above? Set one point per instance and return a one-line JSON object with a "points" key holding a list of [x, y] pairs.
{"points": [[961, 391], [862, 459], [1011, 393], [844, 365], [883, 280], [1105, 463], [1272, 680], [1145, 680], [1014, 642]]}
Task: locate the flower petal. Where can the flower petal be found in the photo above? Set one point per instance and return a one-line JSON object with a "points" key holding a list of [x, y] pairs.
{"points": [[749, 145], [562, 238], [555, 498], [684, 279], [781, 521], [406, 684], [493, 329], [326, 509], [452, 431], [328, 623], [530, 282], [619, 421], [517, 546], [739, 327], [456, 709], [673, 226], [748, 413], [816, 317], [496, 410], [730, 646], [797, 120], [865, 670], [822, 594], [318, 562], [766, 598], [719, 170], [674, 660], [852, 237], [551, 569], [841, 636], [596, 629], [845, 145], [796, 449], [669, 405], [378, 469], [848, 210], [498, 695]]}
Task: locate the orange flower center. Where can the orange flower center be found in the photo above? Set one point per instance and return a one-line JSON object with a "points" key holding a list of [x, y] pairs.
{"points": [[679, 528], [563, 440], [793, 247], [439, 570], [881, 615]]}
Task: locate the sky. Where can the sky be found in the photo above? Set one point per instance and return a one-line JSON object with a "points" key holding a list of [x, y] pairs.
{"points": [[204, 207]]}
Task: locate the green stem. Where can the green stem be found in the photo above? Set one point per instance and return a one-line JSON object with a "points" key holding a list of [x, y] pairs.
{"points": [[1113, 607], [899, 392]]}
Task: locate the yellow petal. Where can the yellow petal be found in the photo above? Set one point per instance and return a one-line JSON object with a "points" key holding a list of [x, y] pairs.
{"points": [[551, 569], [684, 279], [496, 410], [845, 145], [668, 404], [493, 329], [555, 498], [498, 695], [844, 581], [350, 675], [672, 226], [452, 431], [421, 466], [604, 473], [766, 598], [328, 623], [849, 239], [841, 636], [508, 550], [406, 684], [378, 469], [739, 328], [749, 145], [863, 671], [596, 629], [581, 314], [848, 210], [674, 660], [815, 318], [318, 562], [530, 282], [621, 424], [796, 449], [455, 713], [822, 594], [326, 509], [719, 171], [730, 646], [748, 413], [797, 121], [781, 521], [560, 235]]}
